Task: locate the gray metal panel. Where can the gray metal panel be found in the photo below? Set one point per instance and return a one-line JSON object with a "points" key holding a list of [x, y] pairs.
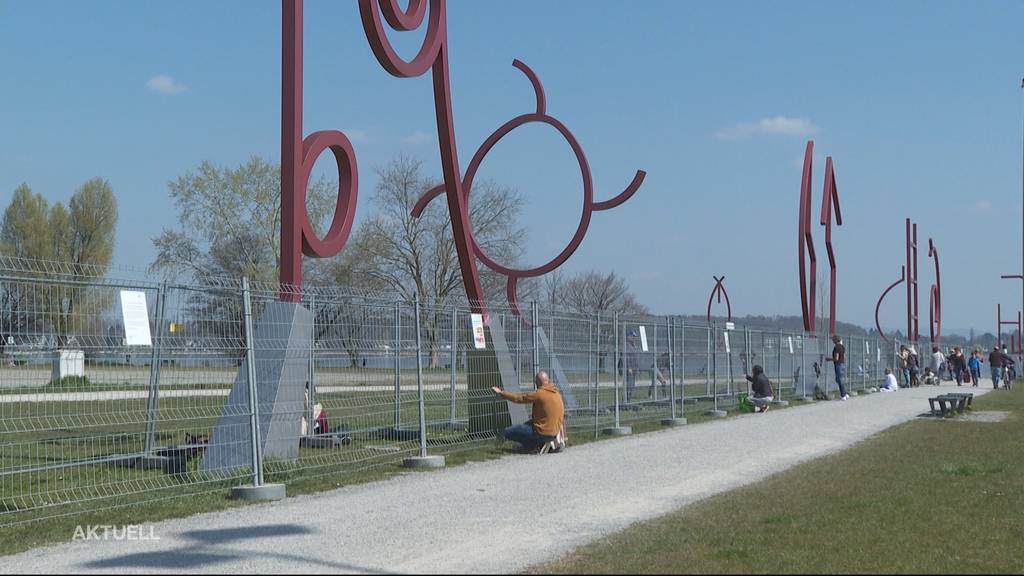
{"points": [[281, 344], [506, 369], [556, 368]]}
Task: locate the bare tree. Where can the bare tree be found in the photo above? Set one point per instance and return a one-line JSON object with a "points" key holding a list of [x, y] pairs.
{"points": [[596, 292], [416, 257]]}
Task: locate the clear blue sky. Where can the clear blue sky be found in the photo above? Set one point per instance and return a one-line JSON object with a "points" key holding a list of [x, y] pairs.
{"points": [[919, 102]]}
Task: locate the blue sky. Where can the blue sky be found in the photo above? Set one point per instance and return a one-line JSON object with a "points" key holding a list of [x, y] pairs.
{"points": [[919, 103]]}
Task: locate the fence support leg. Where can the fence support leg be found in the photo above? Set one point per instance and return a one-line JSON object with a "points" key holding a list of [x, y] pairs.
{"points": [[617, 429], [672, 420], [153, 400]]}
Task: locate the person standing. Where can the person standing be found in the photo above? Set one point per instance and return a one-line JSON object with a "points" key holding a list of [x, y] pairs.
{"points": [[905, 365], [915, 367], [995, 363], [938, 359], [838, 360], [957, 364], [974, 364]]}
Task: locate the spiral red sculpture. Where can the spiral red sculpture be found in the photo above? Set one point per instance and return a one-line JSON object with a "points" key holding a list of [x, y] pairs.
{"points": [[298, 154]]}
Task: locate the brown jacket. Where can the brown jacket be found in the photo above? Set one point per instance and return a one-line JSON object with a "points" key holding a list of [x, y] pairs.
{"points": [[548, 409]]}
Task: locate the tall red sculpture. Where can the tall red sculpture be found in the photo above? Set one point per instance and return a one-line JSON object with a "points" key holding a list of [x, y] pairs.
{"points": [[909, 275], [830, 200], [805, 239], [935, 298], [298, 155], [805, 243]]}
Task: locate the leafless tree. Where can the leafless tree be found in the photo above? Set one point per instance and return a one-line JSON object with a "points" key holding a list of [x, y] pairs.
{"points": [[414, 257]]}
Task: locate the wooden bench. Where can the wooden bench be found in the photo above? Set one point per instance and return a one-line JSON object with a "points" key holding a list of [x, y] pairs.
{"points": [[947, 403]]}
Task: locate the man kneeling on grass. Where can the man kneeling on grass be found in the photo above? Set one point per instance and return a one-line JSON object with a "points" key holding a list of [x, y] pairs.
{"points": [[544, 431], [762, 390]]}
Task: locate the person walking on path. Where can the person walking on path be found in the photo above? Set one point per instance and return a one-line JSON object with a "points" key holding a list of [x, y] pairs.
{"points": [[938, 361], [838, 360], [974, 364], [761, 388], [995, 363], [544, 430], [957, 364]]}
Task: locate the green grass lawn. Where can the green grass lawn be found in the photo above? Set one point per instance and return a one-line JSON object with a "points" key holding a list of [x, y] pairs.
{"points": [[927, 496]]}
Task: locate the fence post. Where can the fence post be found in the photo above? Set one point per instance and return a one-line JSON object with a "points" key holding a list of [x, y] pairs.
{"points": [[713, 337], [311, 376], [707, 363], [254, 400], [534, 319], [617, 429], [398, 366], [421, 461], [682, 367], [153, 400], [454, 359], [672, 420], [595, 383]]}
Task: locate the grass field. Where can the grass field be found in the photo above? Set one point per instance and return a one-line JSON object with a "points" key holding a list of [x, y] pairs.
{"points": [[929, 496]]}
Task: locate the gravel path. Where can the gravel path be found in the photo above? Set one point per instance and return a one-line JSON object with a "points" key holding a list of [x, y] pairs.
{"points": [[484, 517]]}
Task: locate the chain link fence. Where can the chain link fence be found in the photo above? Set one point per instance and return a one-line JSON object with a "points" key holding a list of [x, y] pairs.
{"points": [[92, 420]]}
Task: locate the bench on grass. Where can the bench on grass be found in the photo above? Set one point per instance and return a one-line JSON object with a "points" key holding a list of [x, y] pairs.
{"points": [[948, 403]]}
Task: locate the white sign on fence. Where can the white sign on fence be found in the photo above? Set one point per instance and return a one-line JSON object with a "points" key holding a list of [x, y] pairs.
{"points": [[790, 338], [726, 335], [479, 338], [136, 318], [643, 338]]}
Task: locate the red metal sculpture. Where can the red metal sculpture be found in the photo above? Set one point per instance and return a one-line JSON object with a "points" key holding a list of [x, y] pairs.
{"points": [[297, 157], [719, 291], [805, 239], [935, 298], [433, 56], [513, 275], [830, 199], [1015, 335], [909, 275], [903, 277], [913, 326], [806, 243]]}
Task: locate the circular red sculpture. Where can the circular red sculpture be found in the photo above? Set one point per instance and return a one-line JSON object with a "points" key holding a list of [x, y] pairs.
{"points": [[589, 206]]}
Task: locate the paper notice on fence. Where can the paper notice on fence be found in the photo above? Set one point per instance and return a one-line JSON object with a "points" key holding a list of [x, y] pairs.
{"points": [[790, 338], [643, 338], [479, 339], [726, 335], [136, 318]]}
